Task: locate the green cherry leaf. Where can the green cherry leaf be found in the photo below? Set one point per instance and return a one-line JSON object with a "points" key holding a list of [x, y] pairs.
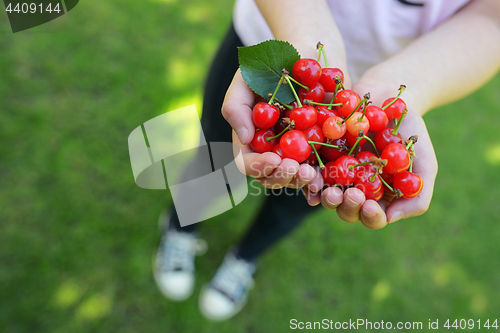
{"points": [[261, 67]]}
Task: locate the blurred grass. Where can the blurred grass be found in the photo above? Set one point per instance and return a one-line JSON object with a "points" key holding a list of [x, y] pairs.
{"points": [[77, 235]]}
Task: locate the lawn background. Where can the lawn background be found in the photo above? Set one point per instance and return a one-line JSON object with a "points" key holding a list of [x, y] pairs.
{"points": [[77, 235]]}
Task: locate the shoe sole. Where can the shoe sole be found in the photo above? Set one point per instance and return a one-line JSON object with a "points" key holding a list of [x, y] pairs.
{"points": [[162, 225], [163, 291], [208, 316]]}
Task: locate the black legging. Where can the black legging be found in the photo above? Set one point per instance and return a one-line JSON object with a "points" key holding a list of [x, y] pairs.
{"points": [[282, 212]]}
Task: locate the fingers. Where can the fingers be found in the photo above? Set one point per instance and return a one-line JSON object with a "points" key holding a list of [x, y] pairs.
{"points": [[424, 165], [253, 164], [313, 188], [237, 108], [313, 198], [305, 175], [372, 215], [351, 205], [404, 208], [260, 165], [317, 183], [332, 197], [282, 174]]}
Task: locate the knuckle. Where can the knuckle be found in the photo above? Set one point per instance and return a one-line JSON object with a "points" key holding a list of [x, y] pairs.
{"points": [[226, 112]]}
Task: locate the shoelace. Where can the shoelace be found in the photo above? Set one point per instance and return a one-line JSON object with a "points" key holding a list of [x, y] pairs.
{"points": [[179, 249], [234, 278]]}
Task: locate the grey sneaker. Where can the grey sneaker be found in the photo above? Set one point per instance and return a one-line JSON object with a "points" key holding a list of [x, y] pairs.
{"points": [[227, 293], [174, 263]]}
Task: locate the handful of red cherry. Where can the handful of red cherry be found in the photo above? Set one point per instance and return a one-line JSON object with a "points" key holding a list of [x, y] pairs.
{"points": [[335, 135]]}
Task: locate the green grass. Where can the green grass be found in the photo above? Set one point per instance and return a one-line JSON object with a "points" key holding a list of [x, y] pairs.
{"points": [[77, 235]]}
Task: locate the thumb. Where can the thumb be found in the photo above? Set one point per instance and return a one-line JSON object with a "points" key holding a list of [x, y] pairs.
{"points": [[237, 108]]}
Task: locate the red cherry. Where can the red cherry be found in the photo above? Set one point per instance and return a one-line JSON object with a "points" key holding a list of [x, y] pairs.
{"points": [[395, 110], [379, 194], [259, 144], [372, 189], [316, 93], [304, 117], [333, 128], [265, 115], [377, 118], [278, 128], [365, 156], [277, 150], [327, 78], [332, 154], [312, 159], [385, 137], [338, 172], [351, 139], [314, 134], [398, 158], [306, 71], [355, 124], [323, 113], [364, 171], [349, 100], [409, 183], [295, 146]]}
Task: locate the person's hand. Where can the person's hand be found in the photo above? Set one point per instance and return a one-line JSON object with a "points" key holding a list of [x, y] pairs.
{"points": [[352, 205], [269, 169]]}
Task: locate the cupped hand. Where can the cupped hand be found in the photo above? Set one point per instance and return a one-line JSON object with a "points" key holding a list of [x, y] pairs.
{"points": [[269, 169], [352, 205]]}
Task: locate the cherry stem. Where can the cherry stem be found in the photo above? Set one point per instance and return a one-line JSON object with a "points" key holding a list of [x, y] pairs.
{"points": [[323, 104], [373, 144], [367, 95], [355, 145], [388, 186], [351, 167], [321, 49], [320, 162], [287, 78], [298, 83], [411, 164], [337, 87], [372, 177], [401, 89], [409, 145], [396, 129], [275, 91], [356, 109], [288, 106], [269, 138], [324, 144]]}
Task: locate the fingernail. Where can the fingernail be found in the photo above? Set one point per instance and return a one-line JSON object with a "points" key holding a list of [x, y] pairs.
{"points": [[242, 133], [398, 215], [313, 187], [290, 173], [369, 213], [328, 201], [351, 203]]}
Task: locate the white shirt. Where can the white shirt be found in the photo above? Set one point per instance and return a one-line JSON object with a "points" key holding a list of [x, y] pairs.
{"points": [[372, 30]]}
